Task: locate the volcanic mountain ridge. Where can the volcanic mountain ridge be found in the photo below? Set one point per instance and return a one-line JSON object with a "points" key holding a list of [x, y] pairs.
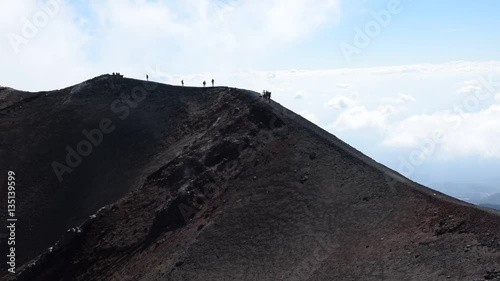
{"points": [[121, 179]]}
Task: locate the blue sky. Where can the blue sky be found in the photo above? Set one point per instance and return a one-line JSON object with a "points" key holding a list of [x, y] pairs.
{"points": [[426, 31], [427, 66]]}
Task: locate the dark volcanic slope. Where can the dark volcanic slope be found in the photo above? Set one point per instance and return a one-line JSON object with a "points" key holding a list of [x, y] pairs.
{"points": [[215, 184]]}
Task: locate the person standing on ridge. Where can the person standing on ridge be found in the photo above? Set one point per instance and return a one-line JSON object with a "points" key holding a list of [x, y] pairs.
{"points": [[182, 82], [213, 81], [204, 83], [147, 77]]}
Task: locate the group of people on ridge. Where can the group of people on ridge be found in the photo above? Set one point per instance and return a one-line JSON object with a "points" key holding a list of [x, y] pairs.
{"points": [[266, 95]]}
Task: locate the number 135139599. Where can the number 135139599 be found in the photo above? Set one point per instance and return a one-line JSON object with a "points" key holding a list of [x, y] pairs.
{"points": [[11, 194]]}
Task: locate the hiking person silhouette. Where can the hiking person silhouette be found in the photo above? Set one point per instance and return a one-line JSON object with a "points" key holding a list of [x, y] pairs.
{"points": [[182, 82], [204, 83], [147, 77], [269, 96], [213, 81]]}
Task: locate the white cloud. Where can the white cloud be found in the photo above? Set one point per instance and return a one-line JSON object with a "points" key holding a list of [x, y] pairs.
{"points": [[399, 99], [406, 98], [410, 132], [470, 87], [130, 36], [299, 95], [427, 68], [463, 134], [343, 86], [399, 69], [360, 117], [199, 33], [50, 54], [341, 102]]}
